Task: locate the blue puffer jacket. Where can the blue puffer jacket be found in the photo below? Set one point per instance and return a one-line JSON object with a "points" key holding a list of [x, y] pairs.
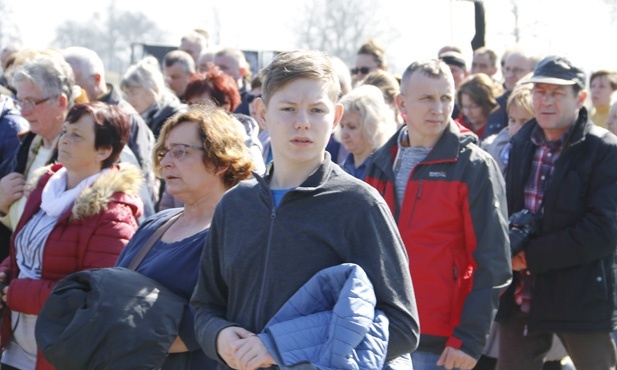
{"points": [[330, 323]]}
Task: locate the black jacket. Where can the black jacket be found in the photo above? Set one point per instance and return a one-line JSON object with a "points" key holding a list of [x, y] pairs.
{"points": [[573, 258], [112, 318], [141, 144]]}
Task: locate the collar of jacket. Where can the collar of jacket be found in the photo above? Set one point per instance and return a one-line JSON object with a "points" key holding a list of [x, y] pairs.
{"points": [[124, 177], [447, 148], [581, 128], [111, 97], [314, 181]]}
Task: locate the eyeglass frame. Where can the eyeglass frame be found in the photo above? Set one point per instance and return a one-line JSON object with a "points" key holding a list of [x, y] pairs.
{"points": [[31, 103], [162, 153], [361, 70]]}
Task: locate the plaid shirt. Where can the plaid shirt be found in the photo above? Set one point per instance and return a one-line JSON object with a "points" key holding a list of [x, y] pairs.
{"points": [[542, 167]]}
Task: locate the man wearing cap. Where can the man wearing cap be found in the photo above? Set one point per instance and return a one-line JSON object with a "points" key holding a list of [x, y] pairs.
{"points": [[563, 171], [458, 67]]}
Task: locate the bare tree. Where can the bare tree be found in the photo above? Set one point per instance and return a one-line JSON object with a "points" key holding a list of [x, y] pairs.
{"points": [[612, 4], [339, 27], [9, 31], [516, 32], [110, 36]]}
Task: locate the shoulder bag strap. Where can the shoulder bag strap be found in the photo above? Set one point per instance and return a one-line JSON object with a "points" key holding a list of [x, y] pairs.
{"points": [[153, 239]]}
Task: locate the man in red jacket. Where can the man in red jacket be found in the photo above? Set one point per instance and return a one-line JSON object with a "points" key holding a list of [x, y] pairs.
{"points": [[448, 198]]}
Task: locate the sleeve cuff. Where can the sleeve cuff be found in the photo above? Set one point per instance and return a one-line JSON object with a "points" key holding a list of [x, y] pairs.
{"points": [[454, 343]]}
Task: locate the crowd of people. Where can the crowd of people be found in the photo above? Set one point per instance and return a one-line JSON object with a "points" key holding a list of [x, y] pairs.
{"points": [[315, 215]]}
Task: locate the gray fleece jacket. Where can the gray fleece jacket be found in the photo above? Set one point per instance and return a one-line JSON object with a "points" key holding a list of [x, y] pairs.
{"points": [[258, 255]]}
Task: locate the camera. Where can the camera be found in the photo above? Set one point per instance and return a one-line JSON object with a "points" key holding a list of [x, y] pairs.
{"points": [[524, 225]]}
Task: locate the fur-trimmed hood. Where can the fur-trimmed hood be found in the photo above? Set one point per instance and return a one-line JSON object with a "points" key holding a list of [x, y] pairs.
{"points": [[123, 178]]}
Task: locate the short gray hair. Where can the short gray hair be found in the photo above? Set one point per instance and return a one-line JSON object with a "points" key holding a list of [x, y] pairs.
{"points": [[85, 60], [183, 58], [51, 74], [433, 68]]}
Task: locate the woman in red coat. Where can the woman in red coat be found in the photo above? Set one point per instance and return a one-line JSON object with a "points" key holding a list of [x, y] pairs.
{"points": [[80, 215]]}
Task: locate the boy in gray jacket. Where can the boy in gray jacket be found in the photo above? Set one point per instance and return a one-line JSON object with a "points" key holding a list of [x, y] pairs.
{"points": [[270, 235]]}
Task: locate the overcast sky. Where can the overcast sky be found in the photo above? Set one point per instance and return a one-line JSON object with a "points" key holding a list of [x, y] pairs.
{"points": [[420, 27]]}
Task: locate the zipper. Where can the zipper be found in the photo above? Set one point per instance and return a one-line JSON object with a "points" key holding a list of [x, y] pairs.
{"points": [[418, 194], [265, 272], [455, 272]]}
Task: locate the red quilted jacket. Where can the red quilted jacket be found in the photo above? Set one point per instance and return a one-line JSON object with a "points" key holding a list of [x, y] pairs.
{"points": [[91, 234]]}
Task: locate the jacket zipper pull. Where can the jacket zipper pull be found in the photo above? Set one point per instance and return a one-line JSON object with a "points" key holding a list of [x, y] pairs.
{"points": [[419, 190], [273, 214], [525, 331], [455, 273]]}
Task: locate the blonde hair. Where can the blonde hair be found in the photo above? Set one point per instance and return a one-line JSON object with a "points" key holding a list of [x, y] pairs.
{"points": [[521, 97], [376, 123]]}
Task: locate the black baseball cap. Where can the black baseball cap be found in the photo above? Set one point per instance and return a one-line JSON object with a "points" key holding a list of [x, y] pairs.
{"points": [[453, 58], [556, 70]]}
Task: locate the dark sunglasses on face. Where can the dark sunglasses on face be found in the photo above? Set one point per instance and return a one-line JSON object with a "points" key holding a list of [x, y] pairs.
{"points": [[361, 70], [252, 97]]}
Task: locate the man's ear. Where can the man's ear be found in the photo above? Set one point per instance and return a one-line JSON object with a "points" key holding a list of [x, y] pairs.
{"points": [[580, 100], [400, 103]]}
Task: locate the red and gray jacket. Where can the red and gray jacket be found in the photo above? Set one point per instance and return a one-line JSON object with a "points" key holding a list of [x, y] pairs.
{"points": [[453, 222]]}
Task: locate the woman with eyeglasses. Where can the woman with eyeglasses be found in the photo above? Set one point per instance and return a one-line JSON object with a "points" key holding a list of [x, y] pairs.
{"points": [[477, 97], [80, 215], [200, 154], [218, 89]]}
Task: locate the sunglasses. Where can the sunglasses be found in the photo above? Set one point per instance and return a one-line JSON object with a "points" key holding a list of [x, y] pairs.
{"points": [[361, 70], [250, 98]]}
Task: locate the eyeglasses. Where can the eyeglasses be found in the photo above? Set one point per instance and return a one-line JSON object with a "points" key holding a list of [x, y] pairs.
{"points": [[177, 151], [31, 103], [250, 98], [361, 71]]}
